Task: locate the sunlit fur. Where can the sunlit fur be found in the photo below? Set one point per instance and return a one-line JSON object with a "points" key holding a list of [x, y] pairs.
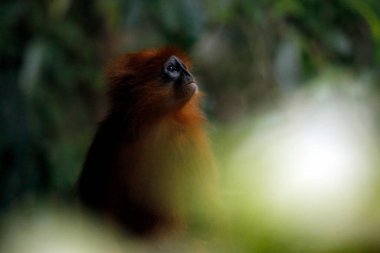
{"points": [[149, 168]]}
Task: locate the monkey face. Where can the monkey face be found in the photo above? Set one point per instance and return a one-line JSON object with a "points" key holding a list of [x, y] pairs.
{"points": [[158, 81], [177, 76]]}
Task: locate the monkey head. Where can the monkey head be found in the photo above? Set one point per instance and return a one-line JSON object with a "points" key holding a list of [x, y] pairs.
{"points": [[158, 81]]}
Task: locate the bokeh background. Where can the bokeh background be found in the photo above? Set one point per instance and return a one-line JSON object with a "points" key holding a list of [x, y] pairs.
{"points": [[292, 97]]}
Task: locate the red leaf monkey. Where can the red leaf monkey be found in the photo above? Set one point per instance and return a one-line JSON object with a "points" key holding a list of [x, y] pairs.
{"points": [[150, 167]]}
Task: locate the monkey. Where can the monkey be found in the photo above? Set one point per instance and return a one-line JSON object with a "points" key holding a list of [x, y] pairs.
{"points": [[150, 168]]}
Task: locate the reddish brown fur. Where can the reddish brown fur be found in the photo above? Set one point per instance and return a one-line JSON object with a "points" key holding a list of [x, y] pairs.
{"points": [[149, 167]]}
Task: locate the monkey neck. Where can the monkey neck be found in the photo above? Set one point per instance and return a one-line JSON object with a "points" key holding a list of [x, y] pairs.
{"points": [[133, 124]]}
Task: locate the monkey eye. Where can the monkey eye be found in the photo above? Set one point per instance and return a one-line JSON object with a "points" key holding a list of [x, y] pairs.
{"points": [[172, 68]]}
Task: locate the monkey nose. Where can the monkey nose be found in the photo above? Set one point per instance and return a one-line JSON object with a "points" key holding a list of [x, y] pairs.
{"points": [[188, 78]]}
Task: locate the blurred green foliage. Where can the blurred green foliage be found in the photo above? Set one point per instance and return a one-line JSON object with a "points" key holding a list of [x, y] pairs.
{"points": [[52, 56]]}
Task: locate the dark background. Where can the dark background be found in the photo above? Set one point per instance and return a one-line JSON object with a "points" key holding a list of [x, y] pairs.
{"points": [[247, 55]]}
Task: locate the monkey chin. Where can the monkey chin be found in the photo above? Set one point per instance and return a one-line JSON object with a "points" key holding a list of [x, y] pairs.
{"points": [[185, 92]]}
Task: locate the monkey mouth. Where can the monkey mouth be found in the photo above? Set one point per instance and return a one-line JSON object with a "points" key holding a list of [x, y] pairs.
{"points": [[192, 86], [186, 91]]}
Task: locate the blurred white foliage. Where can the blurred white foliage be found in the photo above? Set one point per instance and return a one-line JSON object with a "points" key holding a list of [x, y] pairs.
{"points": [[308, 167], [47, 229]]}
